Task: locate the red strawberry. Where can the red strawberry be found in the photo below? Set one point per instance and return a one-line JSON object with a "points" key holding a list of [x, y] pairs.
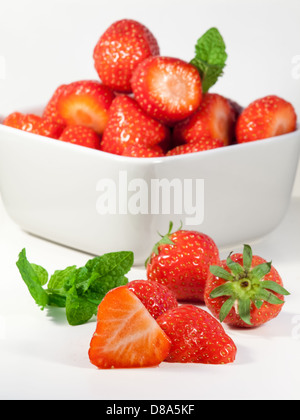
{"points": [[196, 146], [215, 118], [266, 117], [124, 45], [154, 296], [167, 88], [134, 150], [126, 334], [34, 124], [244, 290], [81, 135], [84, 103], [50, 112], [181, 261], [128, 125], [196, 337]]}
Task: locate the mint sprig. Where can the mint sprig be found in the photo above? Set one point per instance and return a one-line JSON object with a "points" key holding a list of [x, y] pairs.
{"points": [[210, 58], [78, 290]]}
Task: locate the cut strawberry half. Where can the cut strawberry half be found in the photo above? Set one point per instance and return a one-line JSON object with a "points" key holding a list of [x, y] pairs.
{"points": [[85, 103], [215, 118], [266, 117], [167, 88], [126, 335]]}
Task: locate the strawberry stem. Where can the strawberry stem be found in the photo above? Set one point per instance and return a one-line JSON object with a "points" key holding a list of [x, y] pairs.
{"points": [[245, 285]]}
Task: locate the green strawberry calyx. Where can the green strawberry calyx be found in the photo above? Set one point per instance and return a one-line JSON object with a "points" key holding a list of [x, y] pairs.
{"points": [[165, 240], [245, 285]]}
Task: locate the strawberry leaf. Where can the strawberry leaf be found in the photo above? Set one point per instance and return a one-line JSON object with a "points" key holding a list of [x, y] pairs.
{"points": [[275, 287], [210, 57], [226, 308]]}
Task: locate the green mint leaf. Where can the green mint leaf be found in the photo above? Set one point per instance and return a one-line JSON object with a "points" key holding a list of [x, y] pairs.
{"points": [[62, 280], [108, 271], [210, 57], [41, 273], [79, 290], [78, 309], [34, 277]]}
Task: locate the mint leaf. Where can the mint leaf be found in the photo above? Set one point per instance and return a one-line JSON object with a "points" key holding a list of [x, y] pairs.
{"points": [[79, 290], [62, 280], [34, 277], [79, 310], [210, 57]]}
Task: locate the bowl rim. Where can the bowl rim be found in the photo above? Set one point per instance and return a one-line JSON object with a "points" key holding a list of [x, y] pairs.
{"points": [[152, 160]]}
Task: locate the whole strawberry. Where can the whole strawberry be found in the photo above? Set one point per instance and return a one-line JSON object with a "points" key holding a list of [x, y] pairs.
{"points": [[206, 143], [154, 296], [84, 102], [124, 45], [181, 261], [81, 135], [244, 290], [138, 151], [34, 124], [196, 337], [129, 125], [167, 88], [266, 117]]}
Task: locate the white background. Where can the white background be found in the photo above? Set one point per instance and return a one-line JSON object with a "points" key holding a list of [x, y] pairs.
{"points": [[46, 43]]}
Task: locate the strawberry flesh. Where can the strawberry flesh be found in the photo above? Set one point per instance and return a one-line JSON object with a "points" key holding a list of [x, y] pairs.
{"points": [[85, 103], [167, 88], [126, 335]]}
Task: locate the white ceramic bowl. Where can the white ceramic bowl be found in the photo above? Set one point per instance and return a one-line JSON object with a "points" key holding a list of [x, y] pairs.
{"points": [[98, 202]]}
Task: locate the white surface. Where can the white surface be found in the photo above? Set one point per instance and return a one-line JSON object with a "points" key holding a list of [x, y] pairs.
{"points": [[42, 357], [46, 43]]}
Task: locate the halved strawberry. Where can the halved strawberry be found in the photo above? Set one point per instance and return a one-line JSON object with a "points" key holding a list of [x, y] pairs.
{"points": [[124, 45], [81, 135], [34, 124], [50, 111], [126, 334], [167, 88], [215, 118], [156, 297], [85, 103], [129, 125], [206, 143], [266, 117]]}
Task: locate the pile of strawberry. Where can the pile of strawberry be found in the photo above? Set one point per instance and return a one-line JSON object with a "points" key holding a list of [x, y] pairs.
{"points": [[148, 105], [159, 319]]}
